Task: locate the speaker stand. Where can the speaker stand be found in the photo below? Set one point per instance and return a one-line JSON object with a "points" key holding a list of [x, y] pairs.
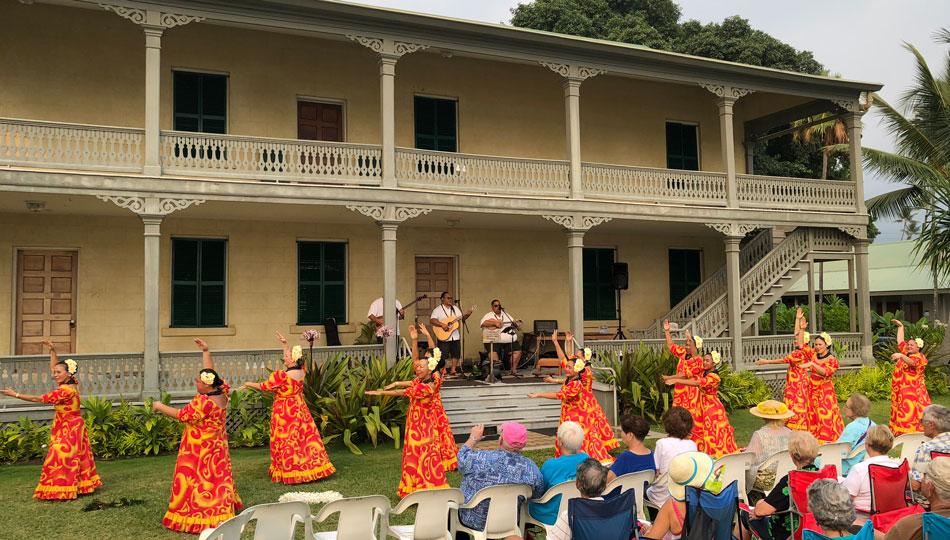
{"points": [[619, 334]]}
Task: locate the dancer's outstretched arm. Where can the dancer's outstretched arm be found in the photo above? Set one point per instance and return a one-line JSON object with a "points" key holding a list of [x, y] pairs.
{"points": [[206, 362], [666, 332], [425, 332], [53, 360], [24, 397], [545, 395]]}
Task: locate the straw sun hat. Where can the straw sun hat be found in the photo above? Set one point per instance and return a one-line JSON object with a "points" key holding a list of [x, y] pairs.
{"points": [[771, 409], [688, 469]]}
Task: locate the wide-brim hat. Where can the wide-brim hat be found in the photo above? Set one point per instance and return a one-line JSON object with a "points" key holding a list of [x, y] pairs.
{"points": [[771, 409], [688, 469]]}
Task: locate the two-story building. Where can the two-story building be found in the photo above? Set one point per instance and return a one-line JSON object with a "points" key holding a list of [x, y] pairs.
{"points": [[226, 169]]}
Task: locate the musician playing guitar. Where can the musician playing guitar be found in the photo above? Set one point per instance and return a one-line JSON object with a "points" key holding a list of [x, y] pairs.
{"points": [[499, 337], [447, 317], [377, 316]]}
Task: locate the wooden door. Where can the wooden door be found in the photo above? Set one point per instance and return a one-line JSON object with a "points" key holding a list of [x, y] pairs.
{"points": [[46, 300], [319, 121], [433, 275]]}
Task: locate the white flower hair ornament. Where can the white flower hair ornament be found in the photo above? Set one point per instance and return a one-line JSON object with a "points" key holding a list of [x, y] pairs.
{"points": [[698, 341], [433, 362], [71, 366], [579, 364], [919, 342], [296, 353], [588, 353], [207, 377], [827, 337], [716, 357], [437, 354], [806, 336]]}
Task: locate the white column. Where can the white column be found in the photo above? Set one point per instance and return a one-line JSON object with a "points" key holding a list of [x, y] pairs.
{"points": [[863, 301], [575, 268], [728, 145], [153, 235], [388, 229], [153, 75], [852, 312], [853, 122], [812, 322], [572, 111], [734, 297], [387, 120]]}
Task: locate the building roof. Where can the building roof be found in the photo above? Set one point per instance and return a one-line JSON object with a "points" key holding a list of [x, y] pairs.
{"points": [[892, 268]]}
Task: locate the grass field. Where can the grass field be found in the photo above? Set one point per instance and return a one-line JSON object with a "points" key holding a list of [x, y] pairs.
{"points": [[149, 479]]}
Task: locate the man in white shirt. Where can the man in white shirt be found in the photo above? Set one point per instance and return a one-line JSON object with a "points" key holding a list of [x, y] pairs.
{"points": [[591, 482], [878, 443], [500, 338], [451, 347], [378, 318]]}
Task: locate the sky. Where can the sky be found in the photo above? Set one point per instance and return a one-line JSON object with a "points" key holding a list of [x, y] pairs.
{"points": [[859, 39]]}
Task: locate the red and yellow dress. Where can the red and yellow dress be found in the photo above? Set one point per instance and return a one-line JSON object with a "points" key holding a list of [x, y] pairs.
{"points": [[600, 424], [909, 394], [421, 453], [447, 447], [203, 492], [796, 388], [68, 468], [297, 454], [688, 397], [824, 416], [717, 439], [575, 407]]}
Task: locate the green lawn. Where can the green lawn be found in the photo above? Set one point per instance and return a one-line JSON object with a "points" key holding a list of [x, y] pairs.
{"points": [[149, 479]]}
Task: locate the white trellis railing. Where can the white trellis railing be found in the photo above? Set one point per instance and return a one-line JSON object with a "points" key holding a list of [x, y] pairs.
{"points": [[781, 193], [602, 181], [32, 143]]}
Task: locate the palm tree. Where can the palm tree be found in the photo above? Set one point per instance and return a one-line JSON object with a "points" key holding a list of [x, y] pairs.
{"points": [[832, 135], [910, 225]]}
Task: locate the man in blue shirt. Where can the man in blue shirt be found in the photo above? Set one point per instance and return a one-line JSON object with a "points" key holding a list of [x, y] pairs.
{"points": [[484, 468], [560, 469]]}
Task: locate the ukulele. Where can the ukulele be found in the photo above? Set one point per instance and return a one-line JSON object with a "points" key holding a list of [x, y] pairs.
{"points": [[453, 323], [405, 307]]}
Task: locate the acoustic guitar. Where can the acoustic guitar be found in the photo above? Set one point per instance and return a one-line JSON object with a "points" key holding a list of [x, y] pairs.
{"points": [[453, 322], [405, 307]]}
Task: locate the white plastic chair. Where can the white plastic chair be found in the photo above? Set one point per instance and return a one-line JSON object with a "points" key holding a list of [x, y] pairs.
{"points": [[566, 489], [432, 514], [832, 453], [276, 521], [634, 481], [659, 480], [783, 463], [361, 518], [734, 469], [855, 451], [503, 511], [227, 530], [911, 442]]}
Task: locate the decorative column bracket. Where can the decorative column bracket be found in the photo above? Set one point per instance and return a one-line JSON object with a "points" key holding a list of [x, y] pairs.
{"points": [[849, 105], [387, 47], [575, 223], [725, 91], [389, 213], [573, 72], [856, 232], [149, 206], [148, 17], [734, 229]]}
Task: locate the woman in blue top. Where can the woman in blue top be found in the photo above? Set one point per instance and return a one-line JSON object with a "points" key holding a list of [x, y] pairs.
{"points": [[856, 409], [637, 457], [570, 436]]}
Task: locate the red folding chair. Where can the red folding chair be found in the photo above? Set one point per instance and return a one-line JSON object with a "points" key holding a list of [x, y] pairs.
{"points": [[798, 484], [935, 454], [889, 500]]}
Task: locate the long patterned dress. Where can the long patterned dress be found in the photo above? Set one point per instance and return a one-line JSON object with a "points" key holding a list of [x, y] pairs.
{"points": [[421, 455], [796, 388], [909, 394], [824, 417], [297, 454], [688, 396], [576, 408], [599, 420], [203, 492], [68, 469], [718, 439], [447, 447]]}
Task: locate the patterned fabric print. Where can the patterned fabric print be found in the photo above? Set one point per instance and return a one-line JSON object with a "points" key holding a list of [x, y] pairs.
{"points": [[718, 438], [203, 492], [599, 422], [68, 468], [484, 468], [940, 443], [909, 394], [297, 454], [796, 388], [421, 457], [688, 397], [447, 447], [824, 416], [575, 407]]}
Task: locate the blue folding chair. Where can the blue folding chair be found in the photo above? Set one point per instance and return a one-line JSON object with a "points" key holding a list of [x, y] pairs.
{"points": [[603, 520], [709, 515], [935, 526], [866, 533]]}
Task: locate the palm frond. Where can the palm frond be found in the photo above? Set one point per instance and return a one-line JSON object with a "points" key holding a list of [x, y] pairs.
{"points": [[900, 168], [895, 204], [911, 140], [942, 35]]}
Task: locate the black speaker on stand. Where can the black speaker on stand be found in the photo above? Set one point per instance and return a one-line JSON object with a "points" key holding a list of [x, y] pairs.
{"points": [[620, 279]]}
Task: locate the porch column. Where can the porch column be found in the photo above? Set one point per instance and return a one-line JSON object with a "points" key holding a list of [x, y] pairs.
{"points": [[749, 156], [388, 229], [851, 296], [734, 298], [575, 268], [852, 120], [153, 236], [863, 300], [153, 75], [727, 138], [812, 322], [387, 120], [572, 110]]}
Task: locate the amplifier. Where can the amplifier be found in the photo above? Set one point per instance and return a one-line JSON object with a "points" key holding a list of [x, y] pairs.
{"points": [[545, 327]]}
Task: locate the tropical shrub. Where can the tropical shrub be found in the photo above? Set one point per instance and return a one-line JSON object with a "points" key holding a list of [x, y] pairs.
{"points": [[872, 381], [23, 441], [254, 410], [741, 389], [640, 390]]}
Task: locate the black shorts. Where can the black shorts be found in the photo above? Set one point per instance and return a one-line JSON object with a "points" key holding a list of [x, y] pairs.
{"points": [[450, 349]]}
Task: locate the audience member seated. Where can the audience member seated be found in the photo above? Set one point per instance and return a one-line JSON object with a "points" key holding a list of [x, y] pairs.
{"points": [[484, 468], [591, 481], [689, 469], [560, 469], [935, 486], [766, 441], [803, 447], [678, 423], [878, 443], [833, 509], [856, 409], [637, 457], [936, 424]]}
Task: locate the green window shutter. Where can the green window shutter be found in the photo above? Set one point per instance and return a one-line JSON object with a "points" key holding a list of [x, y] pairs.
{"points": [[436, 124], [685, 273], [199, 269], [682, 148], [200, 102], [321, 282], [600, 297]]}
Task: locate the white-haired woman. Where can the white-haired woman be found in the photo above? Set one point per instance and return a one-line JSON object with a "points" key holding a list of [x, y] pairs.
{"points": [[570, 437], [833, 509], [68, 469], [909, 394]]}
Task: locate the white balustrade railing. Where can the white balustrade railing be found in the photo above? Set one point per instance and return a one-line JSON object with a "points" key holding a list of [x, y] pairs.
{"points": [[259, 158], [773, 347], [481, 174], [602, 181], [617, 347], [33, 143], [782, 193]]}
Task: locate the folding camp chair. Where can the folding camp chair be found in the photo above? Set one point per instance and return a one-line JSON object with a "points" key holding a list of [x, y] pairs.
{"points": [[866, 533], [936, 527], [889, 501], [709, 515], [603, 520], [798, 483]]}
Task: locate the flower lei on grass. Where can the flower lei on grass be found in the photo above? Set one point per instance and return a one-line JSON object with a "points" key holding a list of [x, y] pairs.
{"points": [[311, 497], [919, 342], [207, 377], [385, 332], [296, 353], [716, 357], [71, 366], [698, 341]]}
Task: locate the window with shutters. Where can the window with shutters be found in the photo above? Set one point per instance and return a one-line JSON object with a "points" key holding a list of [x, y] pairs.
{"points": [[200, 102], [686, 273], [600, 297], [436, 124], [199, 275], [682, 146], [321, 282]]}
